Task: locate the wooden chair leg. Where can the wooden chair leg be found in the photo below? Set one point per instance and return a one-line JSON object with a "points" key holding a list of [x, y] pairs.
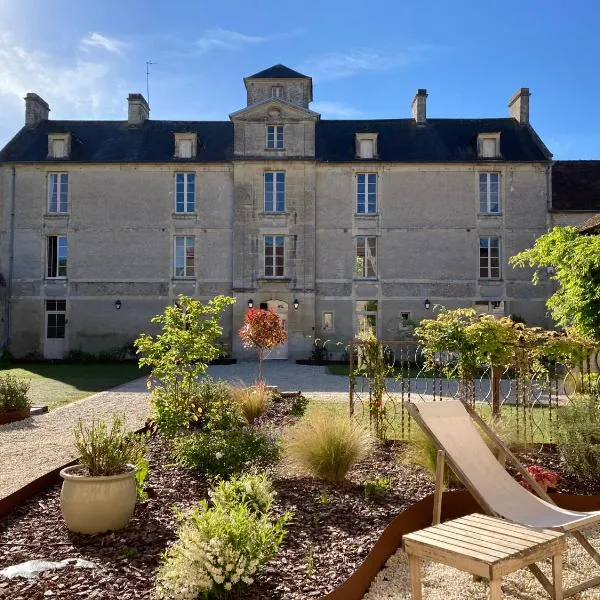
{"points": [[414, 567], [439, 487], [495, 590], [557, 576]]}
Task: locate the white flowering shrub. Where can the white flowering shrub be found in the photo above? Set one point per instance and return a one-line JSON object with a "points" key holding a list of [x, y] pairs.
{"points": [[252, 489], [218, 549]]}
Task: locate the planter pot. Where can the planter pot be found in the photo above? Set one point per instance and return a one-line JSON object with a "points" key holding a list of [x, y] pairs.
{"points": [[14, 415], [97, 504]]}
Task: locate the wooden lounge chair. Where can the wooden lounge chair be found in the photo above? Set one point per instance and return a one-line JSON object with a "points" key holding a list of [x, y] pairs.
{"points": [[452, 426]]}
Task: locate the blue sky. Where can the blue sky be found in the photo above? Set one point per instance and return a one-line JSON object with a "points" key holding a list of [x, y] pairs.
{"points": [[367, 59]]}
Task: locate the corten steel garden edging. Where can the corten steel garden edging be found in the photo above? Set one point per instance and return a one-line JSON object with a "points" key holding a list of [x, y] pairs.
{"points": [[455, 504], [20, 496]]}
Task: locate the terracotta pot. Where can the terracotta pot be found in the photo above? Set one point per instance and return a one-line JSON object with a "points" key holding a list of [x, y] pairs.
{"points": [[97, 504], [14, 415]]}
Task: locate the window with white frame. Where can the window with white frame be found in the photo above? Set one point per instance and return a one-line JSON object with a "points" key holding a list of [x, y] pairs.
{"points": [[186, 145], [277, 91], [58, 192], [274, 191], [366, 193], [185, 192], [327, 323], [489, 193], [366, 256], [56, 257], [274, 256], [185, 251], [489, 258], [275, 137], [56, 319], [366, 315], [185, 148]]}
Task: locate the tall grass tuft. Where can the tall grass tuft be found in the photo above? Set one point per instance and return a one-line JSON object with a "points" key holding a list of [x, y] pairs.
{"points": [[252, 401], [327, 445]]}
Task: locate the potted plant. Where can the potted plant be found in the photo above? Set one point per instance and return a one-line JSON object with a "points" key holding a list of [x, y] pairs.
{"points": [[14, 403], [99, 493]]}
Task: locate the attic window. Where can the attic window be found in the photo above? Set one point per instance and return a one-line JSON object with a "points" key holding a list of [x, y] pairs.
{"points": [[488, 145], [185, 145], [59, 146], [366, 145], [277, 91]]}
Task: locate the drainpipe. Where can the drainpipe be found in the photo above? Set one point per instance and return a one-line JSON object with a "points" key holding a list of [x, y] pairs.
{"points": [[11, 256]]}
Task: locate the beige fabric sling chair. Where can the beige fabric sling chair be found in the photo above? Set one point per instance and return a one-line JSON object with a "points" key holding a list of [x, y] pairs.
{"points": [[452, 427]]}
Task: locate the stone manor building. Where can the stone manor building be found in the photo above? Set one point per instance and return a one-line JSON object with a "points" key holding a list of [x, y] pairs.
{"points": [[336, 224]]}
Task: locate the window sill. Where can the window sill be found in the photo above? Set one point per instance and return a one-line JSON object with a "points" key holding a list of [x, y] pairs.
{"points": [[485, 215], [55, 279], [369, 214], [184, 278], [490, 280], [56, 215], [183, 215], [274, 278], [365, 279], [274, 149], [273, 213]]}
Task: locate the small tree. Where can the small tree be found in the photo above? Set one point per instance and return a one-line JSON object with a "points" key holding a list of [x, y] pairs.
{"points": [[575, 266], [179, 355], [262, 330]]}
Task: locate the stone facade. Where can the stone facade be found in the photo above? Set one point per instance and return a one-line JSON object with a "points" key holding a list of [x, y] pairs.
{"points": [[122, 221]]}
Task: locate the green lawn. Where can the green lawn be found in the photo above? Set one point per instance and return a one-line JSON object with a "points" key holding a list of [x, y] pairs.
{"points": [[530, 426], [58, 384]]}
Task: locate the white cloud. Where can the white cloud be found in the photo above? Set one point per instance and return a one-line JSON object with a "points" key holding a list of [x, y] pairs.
{"points": [[97, 40], [334, 109], [227, 40], [74, 88], [336, 65]]}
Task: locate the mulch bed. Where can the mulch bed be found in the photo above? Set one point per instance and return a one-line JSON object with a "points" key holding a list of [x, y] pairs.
{"points": [[333, 529]]}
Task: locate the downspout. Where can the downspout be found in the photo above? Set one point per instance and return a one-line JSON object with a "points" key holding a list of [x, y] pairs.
{"points": [[11, 256], [549, 214]]}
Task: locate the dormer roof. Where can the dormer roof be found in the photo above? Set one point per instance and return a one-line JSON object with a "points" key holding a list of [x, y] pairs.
{"points": [[278, 72]]}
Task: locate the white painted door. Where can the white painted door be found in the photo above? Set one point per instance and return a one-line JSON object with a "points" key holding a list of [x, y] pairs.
{"points": [[56, 321], [281, 351]]}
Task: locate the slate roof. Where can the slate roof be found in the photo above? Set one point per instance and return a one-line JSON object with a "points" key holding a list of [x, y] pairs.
{"points": [[576, 185], [115, 141], [278, 72], [399, 140], [438, 140], [591, 225]]}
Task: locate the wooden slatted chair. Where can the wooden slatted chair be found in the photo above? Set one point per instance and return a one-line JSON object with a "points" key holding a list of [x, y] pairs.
{"points": [[452, 427]]}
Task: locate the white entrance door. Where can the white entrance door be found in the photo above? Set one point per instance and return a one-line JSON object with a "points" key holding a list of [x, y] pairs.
{"points": [[56, 319], [281, 351]]}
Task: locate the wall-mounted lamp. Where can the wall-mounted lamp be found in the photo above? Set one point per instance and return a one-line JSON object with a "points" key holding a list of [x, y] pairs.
{"points": [[296, 304], [118, 304], [250, 303], [427, 304]]}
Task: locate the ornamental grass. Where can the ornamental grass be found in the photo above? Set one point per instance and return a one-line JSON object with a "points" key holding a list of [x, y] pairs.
{"points": [[252, 401], [327, 445]]}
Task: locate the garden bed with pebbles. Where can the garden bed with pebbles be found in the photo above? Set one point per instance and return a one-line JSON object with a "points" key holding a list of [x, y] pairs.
{"points": [[333, 529]]}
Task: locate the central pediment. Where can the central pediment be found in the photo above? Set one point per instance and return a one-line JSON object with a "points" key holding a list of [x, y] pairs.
{"points": [[275, 110]]}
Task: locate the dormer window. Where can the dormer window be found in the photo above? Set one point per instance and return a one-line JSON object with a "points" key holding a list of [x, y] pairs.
{"points": [[366, 145], [277, 91], [59, 145], [185, 145], [488, 145]]}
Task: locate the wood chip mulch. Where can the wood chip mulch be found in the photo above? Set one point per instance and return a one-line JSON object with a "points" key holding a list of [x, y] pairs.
{"points": [[333, 529]]}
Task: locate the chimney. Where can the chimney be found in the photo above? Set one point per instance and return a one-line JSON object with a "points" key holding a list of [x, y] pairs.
{"points": [[139, 111], [419, 107], [518, 106], [36, 109]]}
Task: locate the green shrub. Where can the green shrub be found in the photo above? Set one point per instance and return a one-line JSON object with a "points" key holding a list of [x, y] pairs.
{"points": [[104, 451], [252, 401], [578, 436], [13, 393], [327, 445], [217, 407], [375, 488], [252, 489], [174, 409], [224, 452], [299, 405], [218, 549]]}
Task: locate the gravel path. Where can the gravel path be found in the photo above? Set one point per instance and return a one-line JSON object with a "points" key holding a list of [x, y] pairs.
{"points": [[37, 445], [445, 583]]}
